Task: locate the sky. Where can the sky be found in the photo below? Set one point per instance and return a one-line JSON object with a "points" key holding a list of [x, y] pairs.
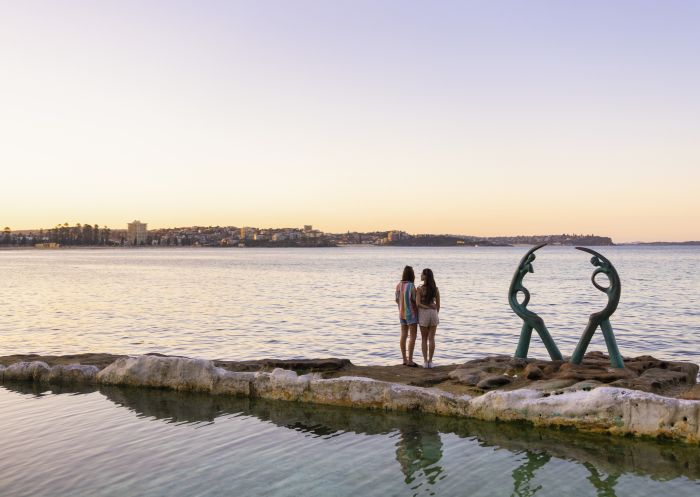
{"points": [[468, 117]]}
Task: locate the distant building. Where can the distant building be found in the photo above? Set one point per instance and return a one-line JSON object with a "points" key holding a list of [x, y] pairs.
{"points": [[394, 236], [312, 233], [248, 233], [308, 227], [136, 233]]}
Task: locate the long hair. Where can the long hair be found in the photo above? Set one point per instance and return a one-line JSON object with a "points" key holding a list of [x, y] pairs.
{"points": [[408, 274], [430, 286]]}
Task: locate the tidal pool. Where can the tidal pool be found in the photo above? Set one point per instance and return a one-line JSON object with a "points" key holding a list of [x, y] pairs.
{"points": [[112, 441]]}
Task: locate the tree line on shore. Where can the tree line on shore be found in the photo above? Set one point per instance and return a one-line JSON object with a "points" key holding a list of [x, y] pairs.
{"points": [[63, 234]]}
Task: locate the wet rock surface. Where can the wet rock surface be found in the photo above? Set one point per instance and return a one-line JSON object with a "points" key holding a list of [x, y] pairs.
{"points": [[533, 372], [297, 365], [41, 372], [495, 381], [692, 394], [644, 373], [102, 360]]}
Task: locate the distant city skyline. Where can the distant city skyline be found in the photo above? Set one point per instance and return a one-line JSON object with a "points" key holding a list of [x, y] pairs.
{"points": [[139, 227], [137, 234], [469, 117]]}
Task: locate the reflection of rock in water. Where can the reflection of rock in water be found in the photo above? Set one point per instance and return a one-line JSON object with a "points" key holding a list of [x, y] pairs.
{"points": [[170, 405], [609, 454], [420, 439], [29, 388], [660, 460]]}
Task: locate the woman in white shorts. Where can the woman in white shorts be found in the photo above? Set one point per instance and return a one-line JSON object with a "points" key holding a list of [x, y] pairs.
{"points": [[428, 302]]}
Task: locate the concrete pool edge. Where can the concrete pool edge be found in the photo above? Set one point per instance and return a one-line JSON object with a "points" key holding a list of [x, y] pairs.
{"points": [[613, 410]]}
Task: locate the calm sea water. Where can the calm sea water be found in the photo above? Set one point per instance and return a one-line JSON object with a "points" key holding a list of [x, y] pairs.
{"points": [[122, 442], [254, 303], [242, 304]]}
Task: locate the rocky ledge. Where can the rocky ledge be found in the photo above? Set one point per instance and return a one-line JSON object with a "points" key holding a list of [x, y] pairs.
{"points": [[641, 399], [644, 373]]}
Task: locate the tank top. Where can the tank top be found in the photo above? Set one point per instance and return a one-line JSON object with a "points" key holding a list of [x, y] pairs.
{"points": [[406, 295]]}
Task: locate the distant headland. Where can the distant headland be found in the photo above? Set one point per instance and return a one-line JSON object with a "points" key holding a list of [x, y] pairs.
{"points": [[663, 244], [138, 234]]}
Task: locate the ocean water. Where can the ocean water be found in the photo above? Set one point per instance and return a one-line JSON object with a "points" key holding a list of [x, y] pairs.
{"points": [[248, 303], [147, 443], [284, 303]]}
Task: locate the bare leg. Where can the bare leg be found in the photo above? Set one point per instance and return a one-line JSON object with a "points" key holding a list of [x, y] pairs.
{"points": [[431, 342], [424, 331], [413, 330], [404, 334]]}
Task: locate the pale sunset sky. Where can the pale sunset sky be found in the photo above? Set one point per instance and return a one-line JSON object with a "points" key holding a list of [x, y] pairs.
{"points": [[467, 117]]}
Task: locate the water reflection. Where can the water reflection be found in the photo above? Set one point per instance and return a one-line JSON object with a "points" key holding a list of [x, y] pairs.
{"points": [[419, 450], [605, 486], [419, 438], [524, 474]]}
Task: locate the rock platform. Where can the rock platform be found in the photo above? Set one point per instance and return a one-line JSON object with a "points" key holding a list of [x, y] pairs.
{"points": [[649, 397]]}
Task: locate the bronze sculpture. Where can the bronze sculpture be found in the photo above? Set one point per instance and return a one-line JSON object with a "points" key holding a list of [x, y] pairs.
{"points": [[602, 318], [530, 319]]}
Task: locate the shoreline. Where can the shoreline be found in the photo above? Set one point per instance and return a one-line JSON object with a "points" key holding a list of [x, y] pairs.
{"points": [[338, 246], [587, 406]]}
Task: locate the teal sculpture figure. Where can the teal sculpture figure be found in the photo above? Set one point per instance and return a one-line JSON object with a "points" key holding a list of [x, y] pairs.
{"points": [[530, 319], [602, 318]]}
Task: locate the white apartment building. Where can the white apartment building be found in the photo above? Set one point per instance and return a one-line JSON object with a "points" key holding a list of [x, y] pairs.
{"points": [[136, 233]]}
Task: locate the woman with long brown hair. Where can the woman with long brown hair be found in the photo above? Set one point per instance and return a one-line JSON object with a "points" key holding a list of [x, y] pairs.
{"points": [[428, 302], [408, 314]]}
